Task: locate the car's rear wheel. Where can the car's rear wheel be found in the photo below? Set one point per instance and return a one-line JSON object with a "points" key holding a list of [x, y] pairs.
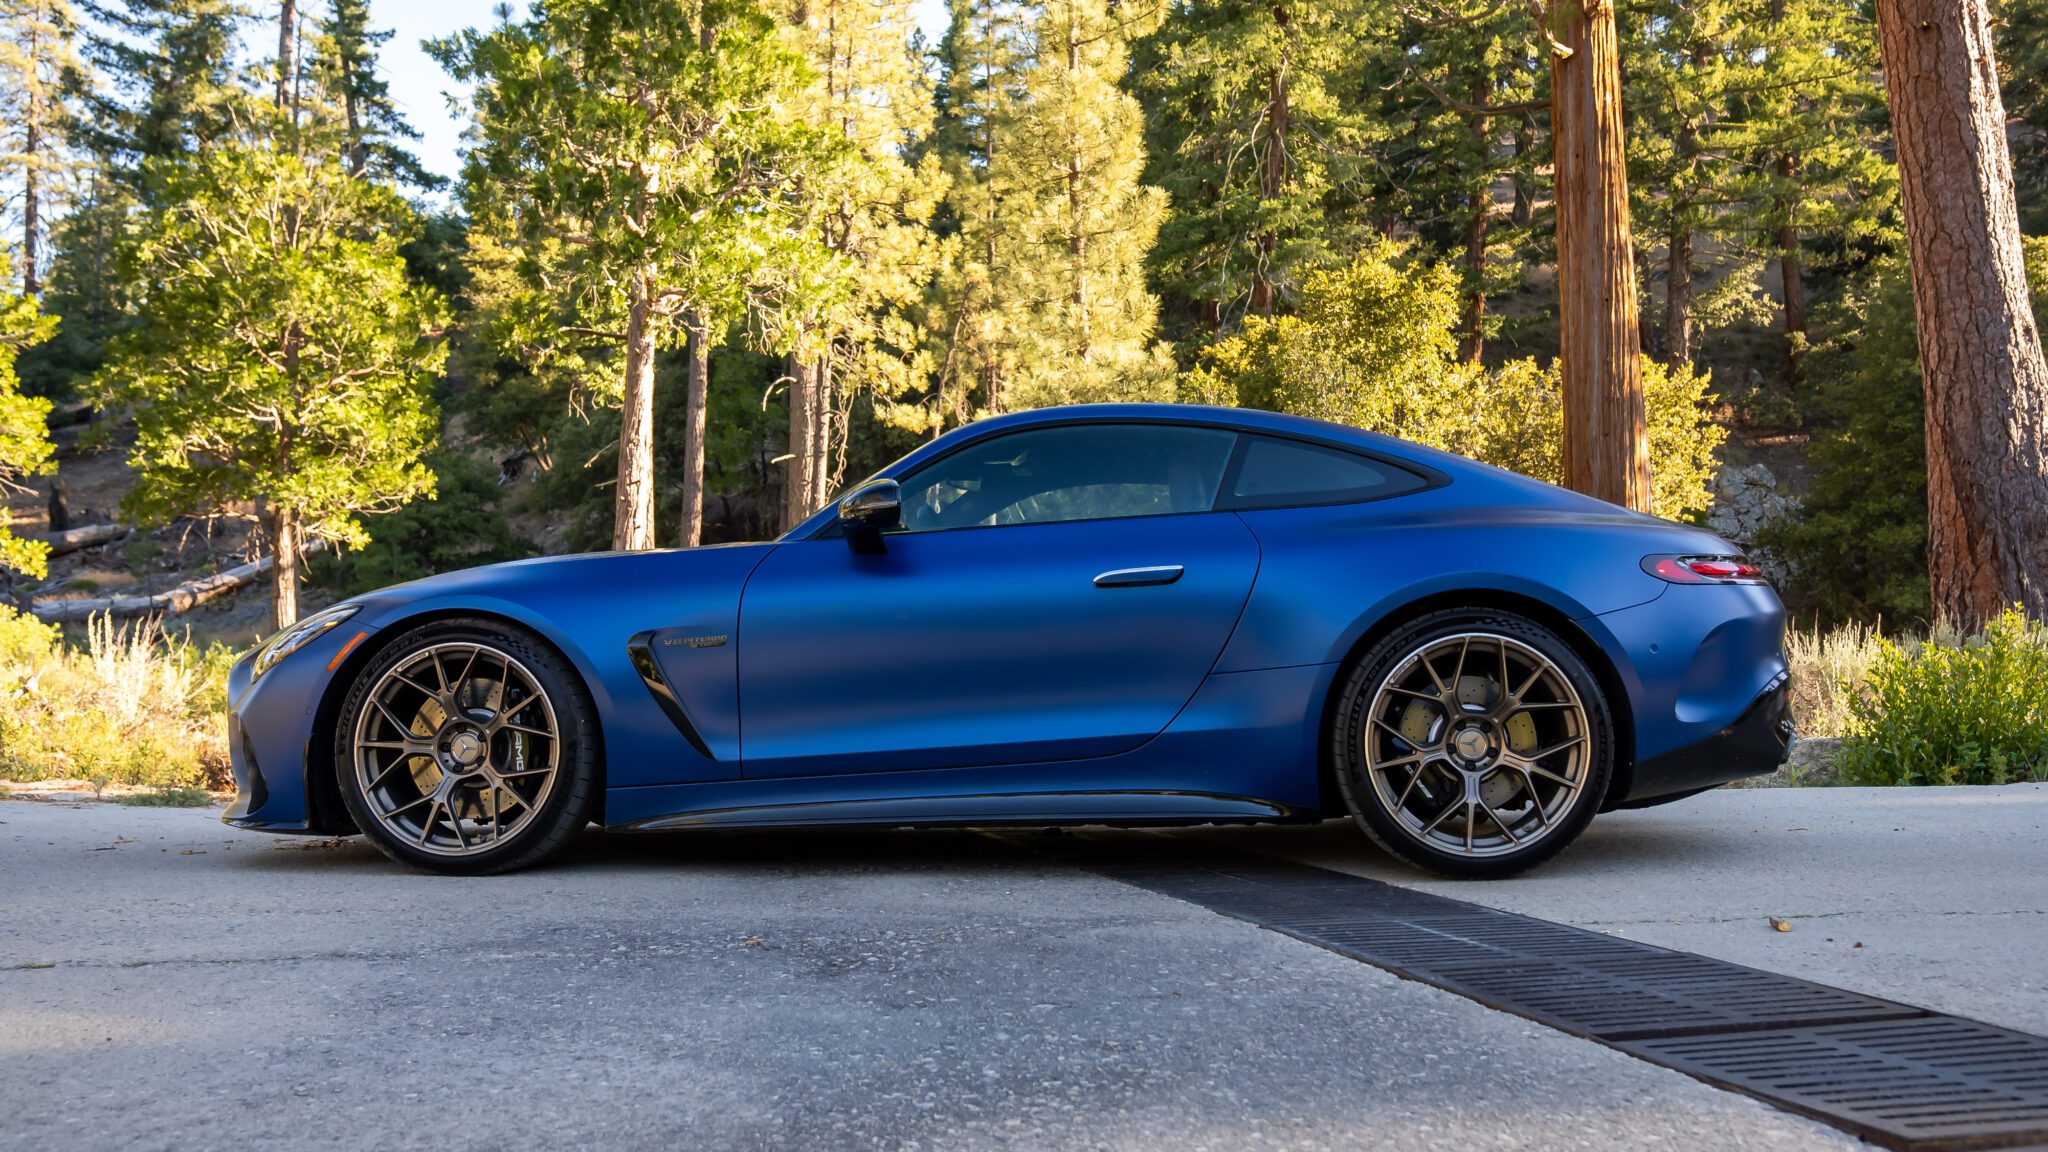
{"points": [[467, 747], [1472, 743]]}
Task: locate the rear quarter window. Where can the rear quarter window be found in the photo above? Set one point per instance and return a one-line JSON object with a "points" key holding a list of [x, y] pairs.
{"points": [[1275, 473]]}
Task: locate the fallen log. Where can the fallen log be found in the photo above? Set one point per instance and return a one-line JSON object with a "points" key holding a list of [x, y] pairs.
{"points": [[182, 598], [83, 536]]}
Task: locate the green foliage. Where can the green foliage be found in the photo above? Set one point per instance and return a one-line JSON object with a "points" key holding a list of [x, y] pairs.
{"points": [[631, 151], [25, 448], [24, 640], [1974, 712], [344, 66], [281, 352], [459, 526], [1859, 543], [1375, 346], [1250, 202]]}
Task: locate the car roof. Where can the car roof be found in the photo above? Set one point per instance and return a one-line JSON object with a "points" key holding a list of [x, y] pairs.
{"points": [[1496, 485], [1243, 419]]}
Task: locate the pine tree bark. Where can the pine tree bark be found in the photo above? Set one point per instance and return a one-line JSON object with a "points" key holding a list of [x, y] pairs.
{"points": [[1678, 293], [1980, 351], [797, 490], [1273, 174], [284, 536], [1606, 453], [287, 51], [1479, 205], [697, 398], [1792, 280], [633, 502], [31, 186]]}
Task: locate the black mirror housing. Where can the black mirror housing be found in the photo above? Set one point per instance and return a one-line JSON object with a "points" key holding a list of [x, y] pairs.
{"points": [[868, 511]]}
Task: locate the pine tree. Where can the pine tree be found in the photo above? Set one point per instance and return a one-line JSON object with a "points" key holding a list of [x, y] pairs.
{"points": [[1980, 348], [1252, 123], [1807, 125], [169, 66], [868, 208], [280, 353], [1457, 85], [1088, 223], [39, 71], [982, 61], [635, 150], [344, 68]]}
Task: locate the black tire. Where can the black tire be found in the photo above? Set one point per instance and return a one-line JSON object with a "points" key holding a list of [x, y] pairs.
{"points": [[1371, 684], [557, 812]]}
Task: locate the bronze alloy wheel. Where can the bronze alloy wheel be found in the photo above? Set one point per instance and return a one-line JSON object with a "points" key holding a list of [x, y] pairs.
{"points": [[1473, 744]]}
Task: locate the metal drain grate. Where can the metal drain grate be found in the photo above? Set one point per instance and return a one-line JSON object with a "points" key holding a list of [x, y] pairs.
{"points": [[1893, 1074]]}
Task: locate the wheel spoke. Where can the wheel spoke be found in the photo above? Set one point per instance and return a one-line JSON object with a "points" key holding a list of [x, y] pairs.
{"points": [[1554, 749], [1458, 676], [541, 732], [1500, 823], [404, 729]]}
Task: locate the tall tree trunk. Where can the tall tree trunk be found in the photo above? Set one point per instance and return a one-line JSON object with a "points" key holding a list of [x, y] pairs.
{"points": [[284, 537], [1525, 198], [697, 397], [31, 206], [1273, 175], [287, 52], [1605, 450], [1479, 205], [31, 185], [798, 479], [1472, 344], [1980, 352], [821, 432], [1678, 292], [633, 503], [1792, 272]]}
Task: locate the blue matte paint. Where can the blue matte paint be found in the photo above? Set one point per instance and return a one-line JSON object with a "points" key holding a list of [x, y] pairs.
{"points": [[979, 674]]}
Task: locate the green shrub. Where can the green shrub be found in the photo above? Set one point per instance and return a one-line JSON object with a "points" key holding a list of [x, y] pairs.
{"points": [[1953, 712], [1375, 346]]}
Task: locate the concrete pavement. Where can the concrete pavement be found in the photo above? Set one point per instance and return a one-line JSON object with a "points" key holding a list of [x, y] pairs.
{"points": [[169, 983]]}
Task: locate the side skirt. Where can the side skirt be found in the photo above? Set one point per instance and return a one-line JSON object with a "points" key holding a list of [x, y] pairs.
{"points": [[1030, 808]]}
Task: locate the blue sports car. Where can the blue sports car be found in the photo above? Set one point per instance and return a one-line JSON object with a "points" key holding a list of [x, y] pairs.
{"points": [[1128, 614]]}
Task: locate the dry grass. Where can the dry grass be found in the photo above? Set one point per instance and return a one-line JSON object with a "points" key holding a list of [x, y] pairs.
{"points": [[131, 704], [1829, 669]]}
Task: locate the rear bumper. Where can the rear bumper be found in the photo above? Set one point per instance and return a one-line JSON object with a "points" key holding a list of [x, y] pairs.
{"points": [[1754, 745]]}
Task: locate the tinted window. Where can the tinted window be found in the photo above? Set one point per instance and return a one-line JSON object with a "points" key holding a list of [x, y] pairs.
{"points": [[1074, 472], [1278, 472]]}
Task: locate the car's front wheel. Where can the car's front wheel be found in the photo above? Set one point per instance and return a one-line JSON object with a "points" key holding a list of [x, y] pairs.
{"points": [[1472, 743], [467, 747]]}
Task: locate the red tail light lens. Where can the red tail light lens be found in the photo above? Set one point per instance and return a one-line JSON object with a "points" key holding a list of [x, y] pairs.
{"points": [[1703, 569]]}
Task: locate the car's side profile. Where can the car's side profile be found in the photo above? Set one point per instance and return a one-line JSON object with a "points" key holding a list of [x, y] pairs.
{"points": [[1119, 614]]}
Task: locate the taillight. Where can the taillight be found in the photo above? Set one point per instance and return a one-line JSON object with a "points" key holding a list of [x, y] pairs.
{"points": [[1703, 569]]}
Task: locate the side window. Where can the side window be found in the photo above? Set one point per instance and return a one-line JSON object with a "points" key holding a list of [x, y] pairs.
{"points": [[1276, 473], [1070, 472]]}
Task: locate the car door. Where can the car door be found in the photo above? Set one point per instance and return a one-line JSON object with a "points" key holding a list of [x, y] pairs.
{"points": [[1055, 592]]}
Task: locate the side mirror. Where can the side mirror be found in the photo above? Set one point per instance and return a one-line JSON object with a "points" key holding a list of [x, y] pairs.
{"points": [[868, 511]]}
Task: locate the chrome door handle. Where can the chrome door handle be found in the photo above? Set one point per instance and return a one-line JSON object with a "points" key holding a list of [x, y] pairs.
{"points": [[1139, 577]]}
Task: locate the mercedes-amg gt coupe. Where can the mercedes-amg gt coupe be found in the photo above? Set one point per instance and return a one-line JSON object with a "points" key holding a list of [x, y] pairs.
{"points": [[1115, 615]]}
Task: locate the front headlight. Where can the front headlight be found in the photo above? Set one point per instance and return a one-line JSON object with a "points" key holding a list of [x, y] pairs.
{"points": [[290, 640]]}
